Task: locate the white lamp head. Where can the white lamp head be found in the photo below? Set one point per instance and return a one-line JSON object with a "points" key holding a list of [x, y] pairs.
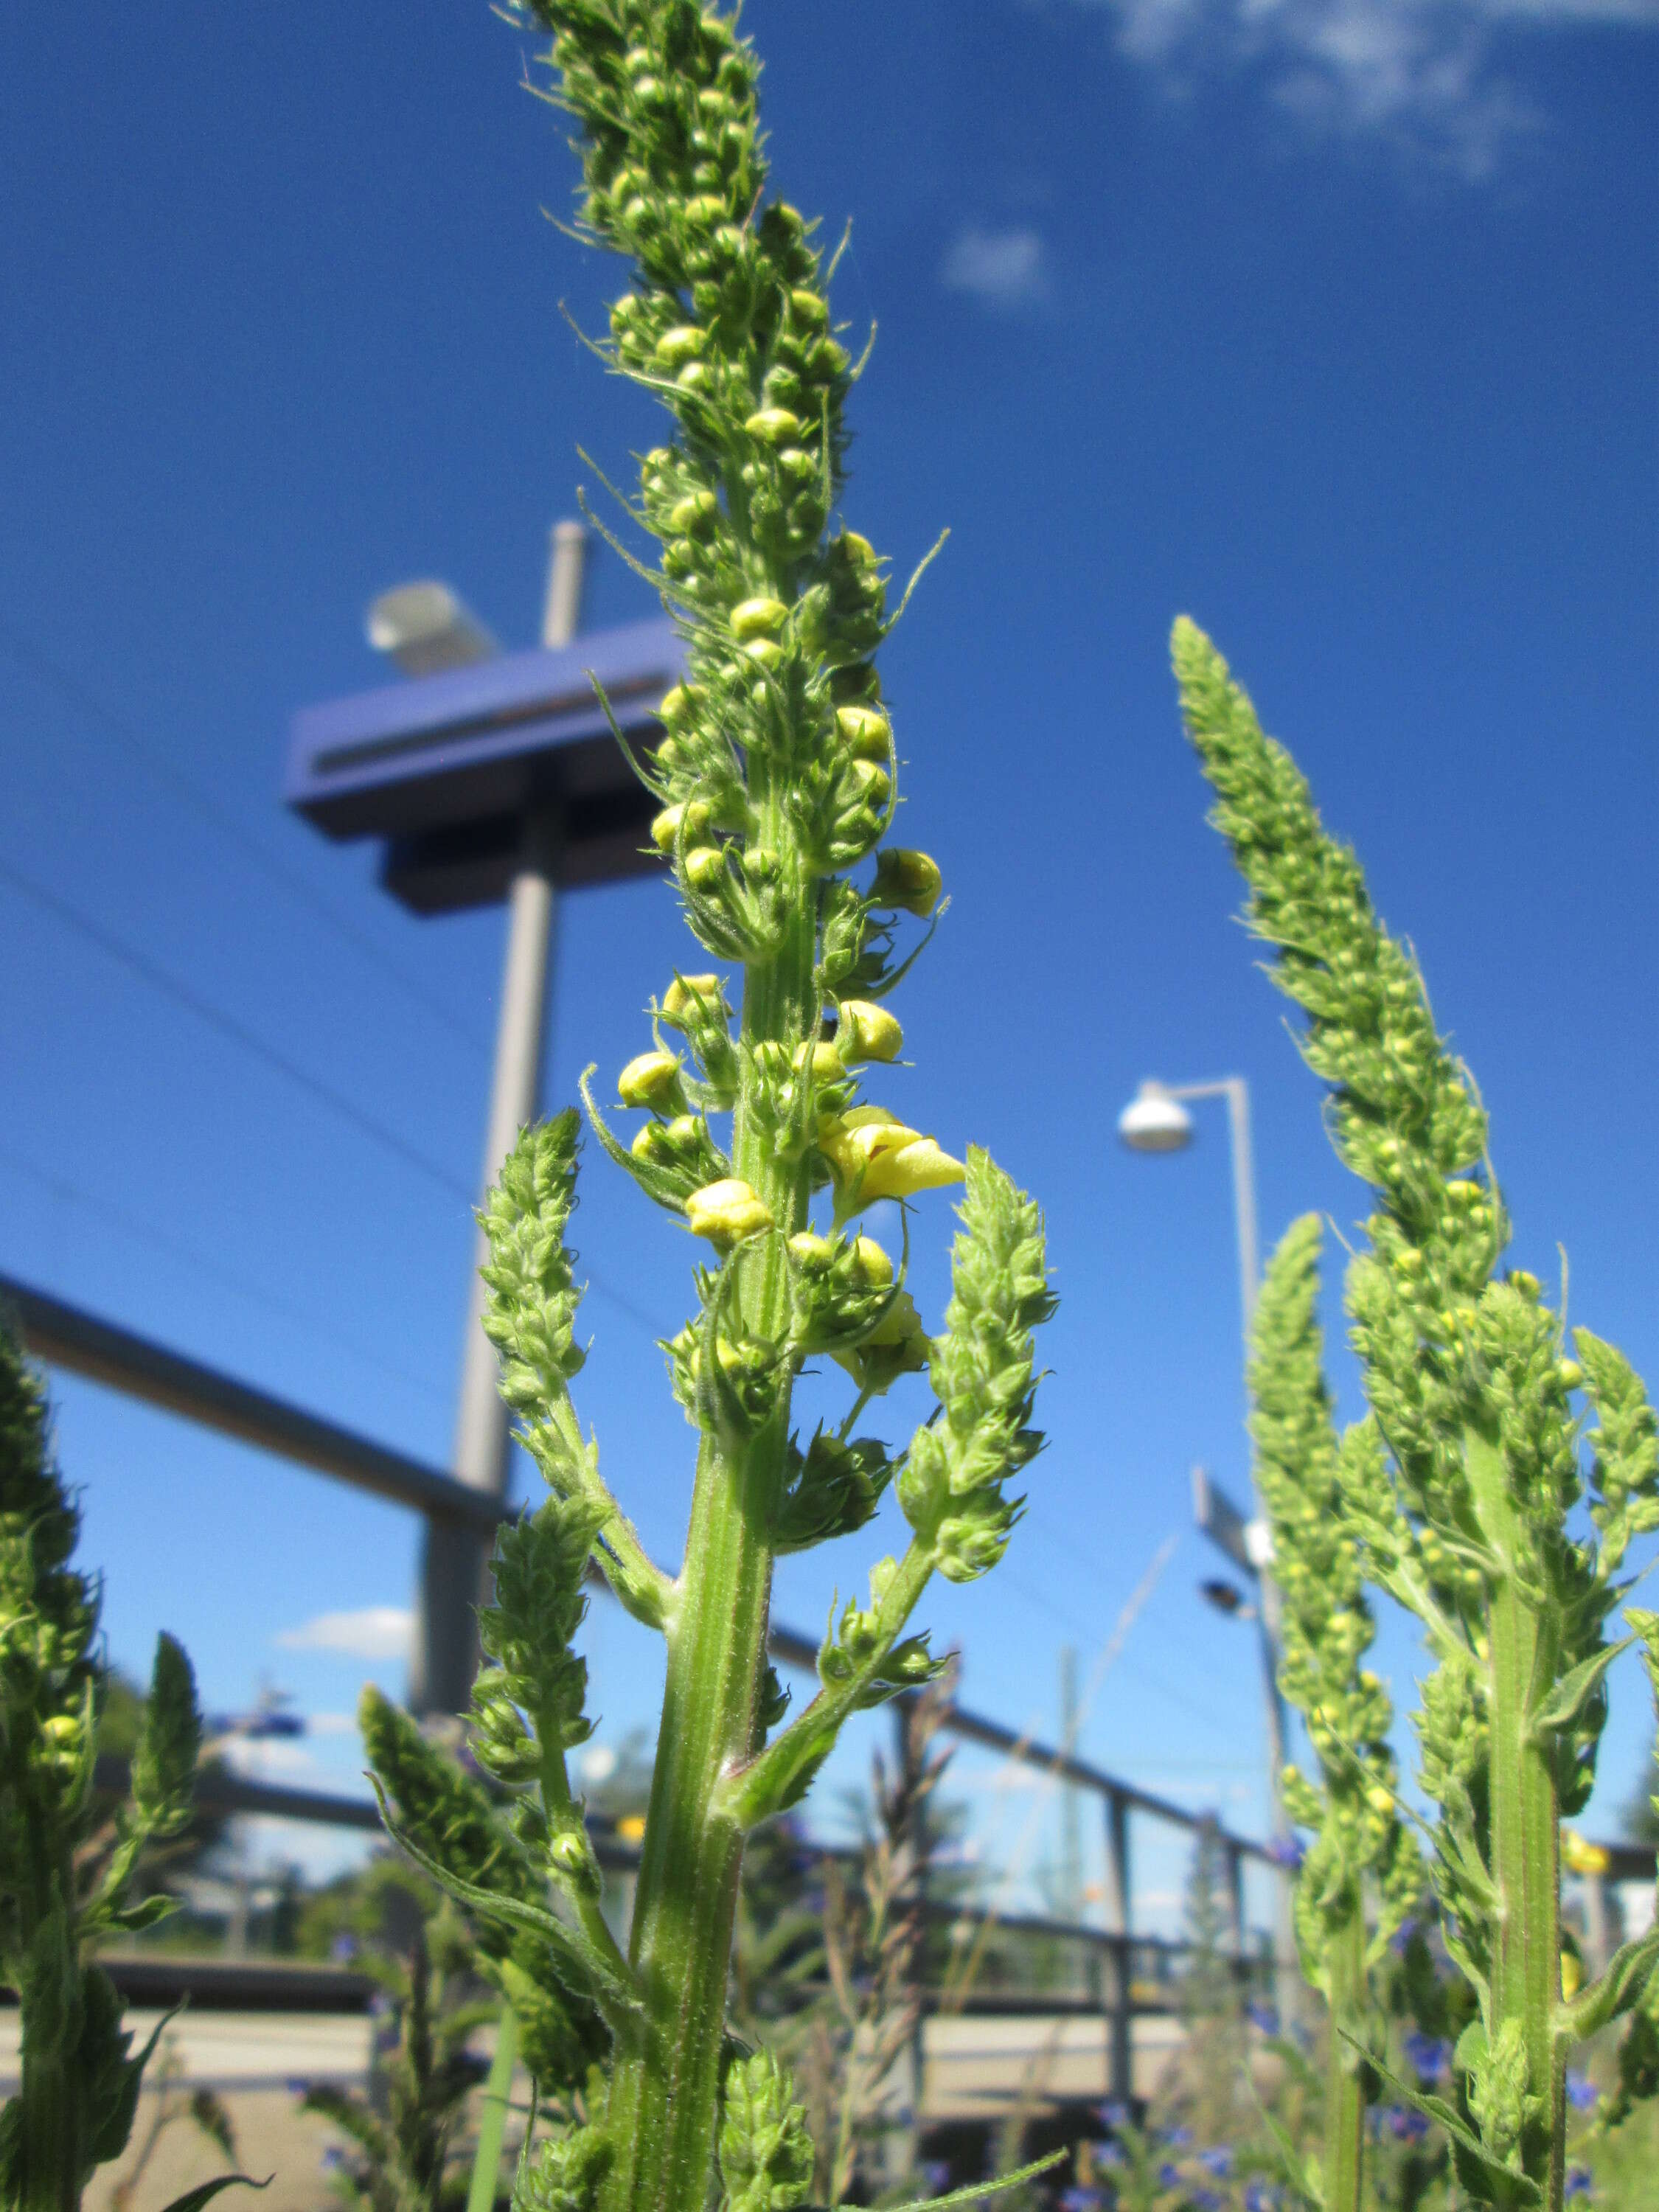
{"points": [[1154, 1122], [425, 628]]}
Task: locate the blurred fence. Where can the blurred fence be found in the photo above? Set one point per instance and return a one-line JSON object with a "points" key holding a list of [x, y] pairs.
{"points": [[1115, 1971]]}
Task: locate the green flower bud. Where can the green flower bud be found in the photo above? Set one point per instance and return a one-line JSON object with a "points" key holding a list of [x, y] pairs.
{"points": [[665, 827], [875, 785], [727, 1212], [809, 308], [908, 882], [705, 866], [694, 998], [866, 1032], [774, 426], [812, 1254], [828, 1066], [696, 376], [694, 512], [873, 1264], [762, 617], [676, 347], [705, 208], [866, 731], [680, 704], [651, 1079], [1568, 1374], [767, 652]]}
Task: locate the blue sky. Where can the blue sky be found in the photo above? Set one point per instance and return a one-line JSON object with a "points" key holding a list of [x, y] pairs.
{"points": [[1331, 322]]}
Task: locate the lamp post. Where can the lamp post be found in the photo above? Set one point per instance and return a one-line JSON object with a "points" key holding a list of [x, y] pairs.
{"points": [[1157, 1120], [492, 779]]}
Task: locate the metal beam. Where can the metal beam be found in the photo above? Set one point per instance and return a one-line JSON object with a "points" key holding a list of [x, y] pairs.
{"points": [[66, 1336]]}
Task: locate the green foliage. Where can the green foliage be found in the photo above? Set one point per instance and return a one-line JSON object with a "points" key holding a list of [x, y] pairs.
{"points": [[1459, 1492], [765, 2156], [776, 779], [80, 2077]]}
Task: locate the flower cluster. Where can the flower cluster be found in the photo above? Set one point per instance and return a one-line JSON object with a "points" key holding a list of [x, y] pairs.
{"points": [[1461, 1490]]}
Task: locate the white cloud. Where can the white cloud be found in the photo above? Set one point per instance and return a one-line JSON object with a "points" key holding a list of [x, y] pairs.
{"points": [[1425, 74], [1002, 269], [379, 1632]]}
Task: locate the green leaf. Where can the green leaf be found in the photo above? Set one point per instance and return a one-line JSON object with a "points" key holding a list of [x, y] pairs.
{"points": [[1574, 1691], [1523, 2189], [164, 1766], [1296, 2171], [594, 1974], [194, 2199], [976, 2190], [1616, 1991]]}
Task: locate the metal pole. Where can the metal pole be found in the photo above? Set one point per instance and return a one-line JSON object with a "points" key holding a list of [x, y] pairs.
{"points": [[1071, 1844], [454, 1568], [1119, 2027], [1269, 1608]]}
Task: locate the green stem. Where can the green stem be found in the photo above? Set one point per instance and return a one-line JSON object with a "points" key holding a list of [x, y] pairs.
{"points": [[492, 2128], [1526, 1966], [1344, 2097], [664, 2092]]}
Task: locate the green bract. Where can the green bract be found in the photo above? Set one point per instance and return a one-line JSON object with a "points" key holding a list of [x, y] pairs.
{"points": [[1459, 1491], [776, 782]]}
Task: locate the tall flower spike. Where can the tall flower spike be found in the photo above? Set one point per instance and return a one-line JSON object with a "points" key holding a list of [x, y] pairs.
{"points": [[776, 777], [1463, 1513]]}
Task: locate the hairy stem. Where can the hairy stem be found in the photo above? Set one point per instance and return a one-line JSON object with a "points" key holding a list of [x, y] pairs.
{"points": [[1526, 1972], [664, 2093], [1344, 2097]]}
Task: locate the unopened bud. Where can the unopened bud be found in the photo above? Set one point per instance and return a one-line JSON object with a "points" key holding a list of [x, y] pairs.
{"points": [[727, 1212], [652, 1078], [873, 1263], [1569, 1373], [761, 617], [828, 1066], [679, 705], [808, 307], [676, 347], [875, 785], [766, 651], [692, 996], [691, 514], [774, 426], [811, 1251], [1379, 1799], [1522, 1279], [665, 826], [867, 731], [867, 1032], [695, 376], [862, 551], [705, 866], [908, 881]]}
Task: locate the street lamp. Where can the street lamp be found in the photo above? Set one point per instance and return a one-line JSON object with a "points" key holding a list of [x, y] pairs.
{"points": [[1156, 1120]]}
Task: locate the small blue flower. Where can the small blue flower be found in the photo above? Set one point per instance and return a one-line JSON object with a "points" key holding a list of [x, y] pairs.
{"points": [[1264, 2016], [1177, 2138], [1406, 2125], [1429, 2055], [1582, 2093], [1260, 2197], [1205, 2200], [1080, 2200], [1110, 2154], [1168, 2175], [935, 2174], [334, 2158], [1287, 1851], [1113, 2113], [1218, 2162], [1578, 2182]]}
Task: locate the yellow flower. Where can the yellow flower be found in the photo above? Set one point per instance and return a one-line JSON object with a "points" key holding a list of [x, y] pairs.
{"points": [[651, 1079], [1583, 1858], [728, 1212], [872, 1156]]}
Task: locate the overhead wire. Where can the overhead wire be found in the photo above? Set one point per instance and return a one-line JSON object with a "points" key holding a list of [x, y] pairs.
{"points": [[143, 1231], [227, 1025], [114, 729]]}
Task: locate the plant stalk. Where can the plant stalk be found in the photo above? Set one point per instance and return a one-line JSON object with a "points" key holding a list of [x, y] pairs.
{"points": [[1344, 2090], [492, 2127], [665, 2095], [1526, 1967]]}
